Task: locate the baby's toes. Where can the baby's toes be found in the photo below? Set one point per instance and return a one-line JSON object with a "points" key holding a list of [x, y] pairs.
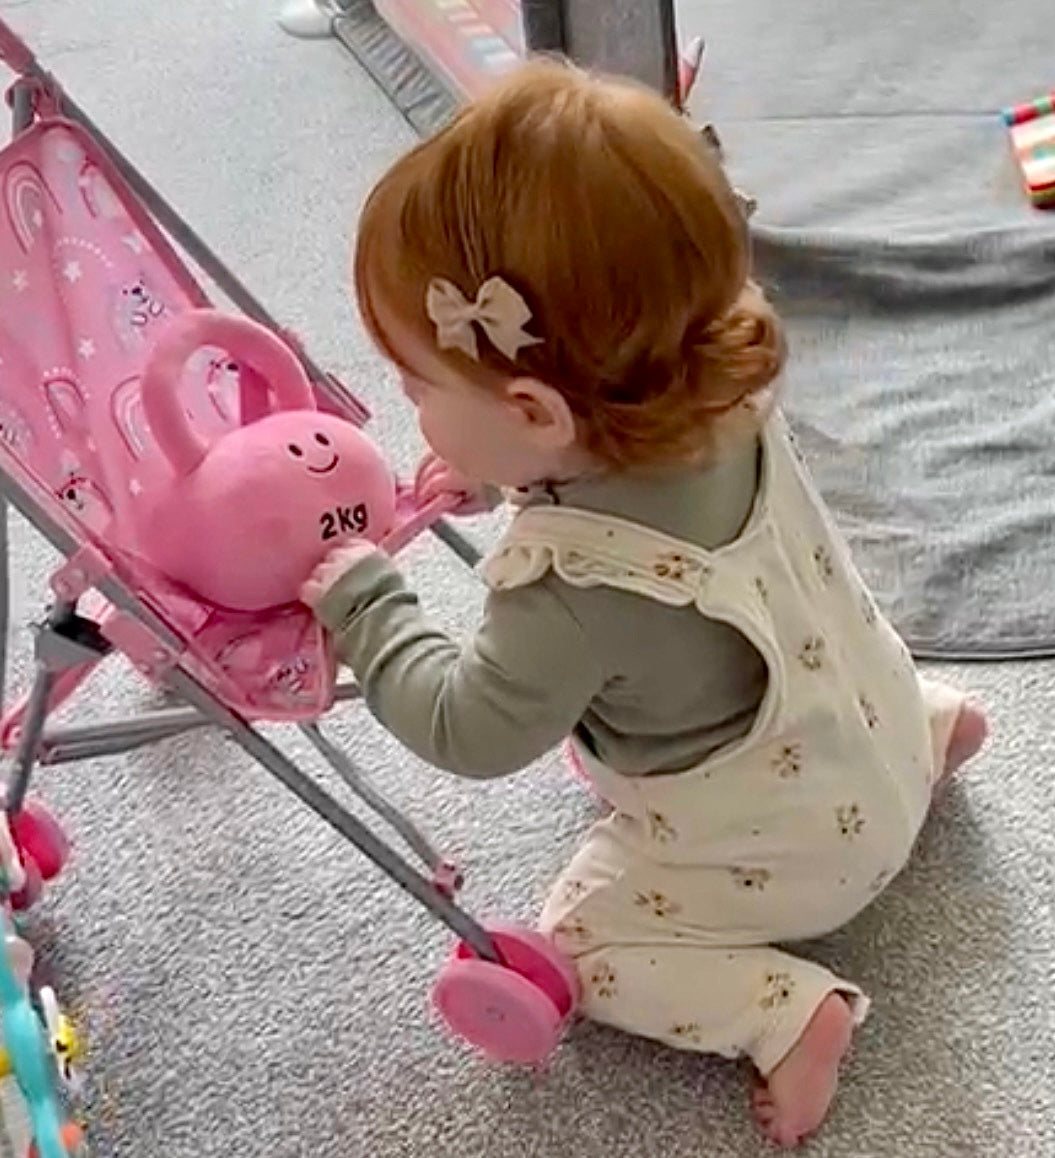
{"points": [[762, 1104], [766, 1118], [776, 1127]]}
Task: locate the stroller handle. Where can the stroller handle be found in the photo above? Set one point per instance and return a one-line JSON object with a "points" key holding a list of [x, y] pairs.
{"points": [[14, 51]]}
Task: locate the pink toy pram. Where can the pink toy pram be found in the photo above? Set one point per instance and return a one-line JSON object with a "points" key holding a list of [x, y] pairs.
{"points": [[89, 271]]}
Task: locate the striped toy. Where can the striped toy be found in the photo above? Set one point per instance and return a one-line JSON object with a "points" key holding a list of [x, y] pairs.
{"points": [[469, 42], [1032, 129]]}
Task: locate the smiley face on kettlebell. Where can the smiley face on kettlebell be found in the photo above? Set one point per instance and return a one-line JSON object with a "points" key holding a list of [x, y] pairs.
{"points": [[318, 440]]}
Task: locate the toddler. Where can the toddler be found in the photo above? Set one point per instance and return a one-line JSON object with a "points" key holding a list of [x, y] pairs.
{"points": [[562, 278]]}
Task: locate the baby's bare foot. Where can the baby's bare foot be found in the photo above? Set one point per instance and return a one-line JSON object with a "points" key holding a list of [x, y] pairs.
{"points": [[793, 1101], [968, 735]]}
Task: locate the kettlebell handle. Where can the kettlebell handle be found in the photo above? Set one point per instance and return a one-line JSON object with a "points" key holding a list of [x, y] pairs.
{"points": [[246, 341]]}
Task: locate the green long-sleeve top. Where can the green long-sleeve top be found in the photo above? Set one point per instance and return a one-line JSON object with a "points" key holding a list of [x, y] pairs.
{"points": [[647, 687]]}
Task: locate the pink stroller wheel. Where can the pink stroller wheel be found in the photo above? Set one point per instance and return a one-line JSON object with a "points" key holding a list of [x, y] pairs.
{"points": [[514, 1013], [40, 838]]}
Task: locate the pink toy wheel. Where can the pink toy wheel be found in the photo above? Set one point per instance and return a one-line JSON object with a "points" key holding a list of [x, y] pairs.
{"points": [[513, 1013], [39, 836], [28, 895], [72, 1137]]}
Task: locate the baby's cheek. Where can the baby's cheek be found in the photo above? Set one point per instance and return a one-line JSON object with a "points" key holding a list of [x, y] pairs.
{"points": [[412, 389], [432, 430]]}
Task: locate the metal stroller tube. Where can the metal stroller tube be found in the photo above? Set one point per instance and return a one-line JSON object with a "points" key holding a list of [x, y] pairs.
{"points": [[339, 762]]}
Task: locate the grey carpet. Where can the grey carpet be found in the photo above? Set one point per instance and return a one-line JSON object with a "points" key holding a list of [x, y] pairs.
{"points": [[251, 987], [918, 284]]}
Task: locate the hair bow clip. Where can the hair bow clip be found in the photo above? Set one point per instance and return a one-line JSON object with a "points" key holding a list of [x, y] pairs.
{"points": [[498, 310]]}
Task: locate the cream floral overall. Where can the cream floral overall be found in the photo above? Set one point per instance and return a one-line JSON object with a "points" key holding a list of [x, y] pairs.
{"points": [[672, 905]]}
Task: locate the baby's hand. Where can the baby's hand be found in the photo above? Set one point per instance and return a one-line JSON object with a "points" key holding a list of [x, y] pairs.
{"points": [[436, 478], [334, 567]]}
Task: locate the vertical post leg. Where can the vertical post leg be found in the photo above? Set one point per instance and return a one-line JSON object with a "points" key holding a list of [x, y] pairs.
{"points": [[21, 108], [29, 740], [543, 25], [63, 641]]}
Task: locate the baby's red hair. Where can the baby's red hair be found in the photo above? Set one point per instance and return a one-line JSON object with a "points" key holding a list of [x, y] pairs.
{"points": [[606, 211]]}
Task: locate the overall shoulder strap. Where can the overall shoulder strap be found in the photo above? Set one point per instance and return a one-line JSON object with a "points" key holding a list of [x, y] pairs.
{"points": [[587, 549]]}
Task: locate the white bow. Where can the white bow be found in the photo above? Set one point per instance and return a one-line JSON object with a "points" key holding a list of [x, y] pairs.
{"points": [[498, 310]]}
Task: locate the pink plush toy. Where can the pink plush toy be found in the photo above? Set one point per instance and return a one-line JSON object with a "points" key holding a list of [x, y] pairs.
{"points": [[246, 520]]}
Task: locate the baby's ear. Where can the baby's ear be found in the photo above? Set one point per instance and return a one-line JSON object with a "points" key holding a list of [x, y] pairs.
{"points": [[546, 415]]}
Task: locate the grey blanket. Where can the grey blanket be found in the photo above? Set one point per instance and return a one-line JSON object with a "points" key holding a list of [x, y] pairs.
{"points": [[918, 285]]}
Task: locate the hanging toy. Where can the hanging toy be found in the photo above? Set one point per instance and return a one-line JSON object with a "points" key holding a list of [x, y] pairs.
{"points": [[690, 66], [246, 519], [36, 1046]]}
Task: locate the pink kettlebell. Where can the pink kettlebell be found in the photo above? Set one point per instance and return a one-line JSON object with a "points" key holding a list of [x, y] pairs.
{"points": [[247, 518]]}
